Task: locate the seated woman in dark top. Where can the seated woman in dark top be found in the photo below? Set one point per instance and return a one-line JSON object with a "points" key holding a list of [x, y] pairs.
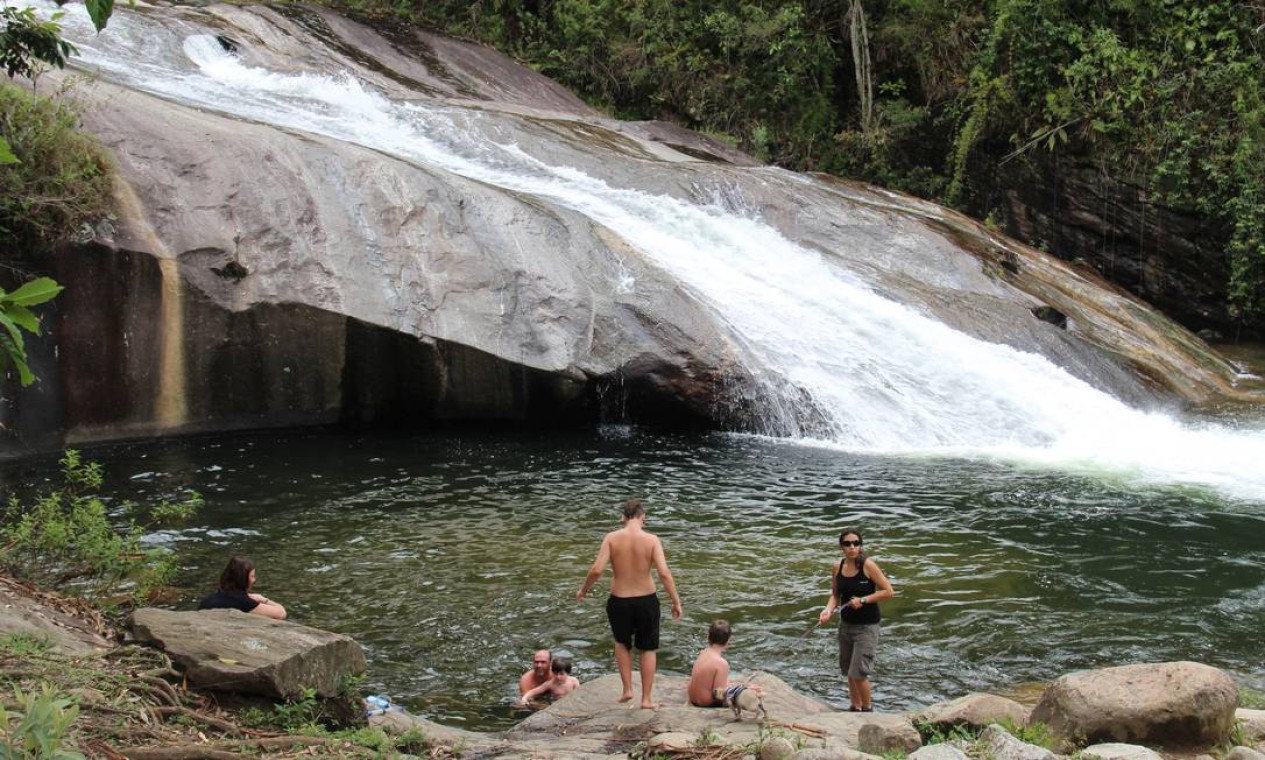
{"points": [[235, 594]]}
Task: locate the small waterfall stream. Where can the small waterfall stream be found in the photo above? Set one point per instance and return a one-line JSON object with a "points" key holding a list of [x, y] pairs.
{"points": [[843, 366]]}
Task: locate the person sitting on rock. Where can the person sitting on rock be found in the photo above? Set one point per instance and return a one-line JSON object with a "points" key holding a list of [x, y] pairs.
{"points": [[235, 594], [562, 683], [709, 679]]}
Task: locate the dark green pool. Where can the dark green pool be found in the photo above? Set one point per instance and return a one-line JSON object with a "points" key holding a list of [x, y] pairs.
{"points": [[451, 556]]}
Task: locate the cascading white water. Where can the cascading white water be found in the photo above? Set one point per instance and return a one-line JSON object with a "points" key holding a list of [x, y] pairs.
{"points": [[877, 376]]}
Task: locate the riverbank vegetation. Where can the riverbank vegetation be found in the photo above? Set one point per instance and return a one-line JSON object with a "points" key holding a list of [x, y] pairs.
{"points": [[58, 182], [64, 538], [55, 181], [958, 102], [129, 701], [64, 549]]}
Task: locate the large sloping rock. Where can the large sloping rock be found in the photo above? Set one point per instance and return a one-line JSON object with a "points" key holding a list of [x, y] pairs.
{"points": [[228, 650], [1170, 703], [591, 720]]}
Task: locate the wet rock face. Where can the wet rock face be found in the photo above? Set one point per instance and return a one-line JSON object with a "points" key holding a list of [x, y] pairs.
{"points": [[261, 276], [1172, 260]]}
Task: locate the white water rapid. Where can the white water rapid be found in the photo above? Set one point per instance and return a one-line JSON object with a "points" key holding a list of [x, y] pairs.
{"points": [[878, 376]]}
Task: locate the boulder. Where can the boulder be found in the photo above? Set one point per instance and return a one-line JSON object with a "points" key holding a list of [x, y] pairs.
{"points": [[1002, 746], [882, 738], [938, 752], [1244, 753], [228, 650], [776, 748], [831, 753], [1171, 703], [1252, 722], [1117, 751], [976, 711]]}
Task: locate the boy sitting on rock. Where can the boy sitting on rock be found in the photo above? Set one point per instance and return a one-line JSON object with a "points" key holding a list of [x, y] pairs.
{"points": [[709, 679]]}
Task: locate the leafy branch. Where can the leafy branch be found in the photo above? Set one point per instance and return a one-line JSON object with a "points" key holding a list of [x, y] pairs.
{"points": [[16, 317]]}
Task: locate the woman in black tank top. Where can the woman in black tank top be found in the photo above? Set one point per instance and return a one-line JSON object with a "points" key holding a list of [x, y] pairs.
{"points": [[857, 584]]}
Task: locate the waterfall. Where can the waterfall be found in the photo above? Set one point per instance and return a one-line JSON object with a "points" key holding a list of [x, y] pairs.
{"points": [[842, 365]]}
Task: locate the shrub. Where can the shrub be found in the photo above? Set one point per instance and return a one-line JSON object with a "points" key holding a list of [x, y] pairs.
{"points": [[39, 729], [67, 541], [61, 180]]}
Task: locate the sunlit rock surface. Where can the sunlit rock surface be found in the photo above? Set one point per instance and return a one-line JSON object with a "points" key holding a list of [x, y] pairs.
{"points": [[1169, 703]]}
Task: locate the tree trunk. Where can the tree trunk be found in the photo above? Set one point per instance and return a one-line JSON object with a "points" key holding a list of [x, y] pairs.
{"points": [[860, 37]]}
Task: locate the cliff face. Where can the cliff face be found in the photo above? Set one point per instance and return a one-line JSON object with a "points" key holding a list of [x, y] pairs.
{"points": [[266, 273], [1172, 260]]}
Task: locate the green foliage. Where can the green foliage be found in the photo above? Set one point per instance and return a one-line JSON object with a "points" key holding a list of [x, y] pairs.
{"points": [[16, 317], [27, 43], [1167, 93], [1037, 733], [67, 540], [99, 11], [1251, 699], [307, 714], [25, 644], [61, 182], [297, 713], [39, 729], [1238, 736], [412, 741], [934, 734], [763, 71]]}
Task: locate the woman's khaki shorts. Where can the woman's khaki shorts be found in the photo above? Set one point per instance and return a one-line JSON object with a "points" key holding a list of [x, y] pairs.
{"points": [[857, 646]]}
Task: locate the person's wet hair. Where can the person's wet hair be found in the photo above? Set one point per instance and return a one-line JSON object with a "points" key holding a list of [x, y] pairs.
{"points": [[561, 665], [633, 508], [719, 632], [236, 576]]}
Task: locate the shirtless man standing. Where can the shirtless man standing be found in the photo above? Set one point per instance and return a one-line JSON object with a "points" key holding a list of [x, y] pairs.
{"points": [[633, 606]]}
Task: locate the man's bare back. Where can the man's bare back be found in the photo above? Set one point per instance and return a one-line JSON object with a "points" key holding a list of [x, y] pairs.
{"points": [[633, 553], [633, 606]]}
